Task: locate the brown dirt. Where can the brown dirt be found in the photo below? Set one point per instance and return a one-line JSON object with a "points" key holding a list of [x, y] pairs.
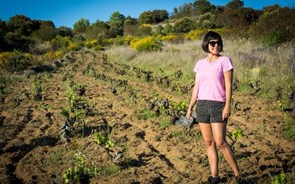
{"points": [[32, 152]]}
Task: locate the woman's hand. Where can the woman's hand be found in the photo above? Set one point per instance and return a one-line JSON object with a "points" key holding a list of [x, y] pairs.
{"points": [[226, 112], [189, 113]]}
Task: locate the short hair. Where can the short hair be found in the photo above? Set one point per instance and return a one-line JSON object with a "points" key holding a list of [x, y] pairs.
{"points": [[211, 35]]}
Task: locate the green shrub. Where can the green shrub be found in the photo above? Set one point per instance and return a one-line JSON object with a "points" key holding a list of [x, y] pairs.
{"points": [[184, 26], [60, 42], [16, 61], [273, 37], [275, 27]]}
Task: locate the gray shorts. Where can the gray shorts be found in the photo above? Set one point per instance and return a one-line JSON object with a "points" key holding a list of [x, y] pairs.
{"points": [[209, 111]]}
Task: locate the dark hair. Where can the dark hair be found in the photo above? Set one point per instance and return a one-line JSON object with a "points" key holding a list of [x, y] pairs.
{"points": [[211, 35]]}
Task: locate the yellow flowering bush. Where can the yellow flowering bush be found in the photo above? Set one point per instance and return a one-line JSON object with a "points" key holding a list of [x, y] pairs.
{"points": [[3, 58], [128, 39], [145, 26], [199, 33], [15, 61], [60, 42], [195, 34], [75, 46], [109, 41], [50, 56], [91, 43], [146, 44], [170, 38]]}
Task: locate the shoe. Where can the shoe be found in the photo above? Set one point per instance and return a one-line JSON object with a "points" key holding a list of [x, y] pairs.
{"points": [[212, 180]]}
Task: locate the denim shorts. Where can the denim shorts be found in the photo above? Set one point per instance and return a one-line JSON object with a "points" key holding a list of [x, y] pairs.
{"points": [[209, 111]]}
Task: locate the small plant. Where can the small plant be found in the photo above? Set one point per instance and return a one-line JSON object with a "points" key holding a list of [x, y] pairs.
{"points": [[145, 114], [78, 174], [112, 169], [236, 134], [79, 89], [177, 133], [106, 140], [75, 101], [37, 90], [180, 107], [164, 123], [278, 179]]}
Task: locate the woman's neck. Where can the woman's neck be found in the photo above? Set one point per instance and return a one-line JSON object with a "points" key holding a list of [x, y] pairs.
{"points": [[213, 57]]}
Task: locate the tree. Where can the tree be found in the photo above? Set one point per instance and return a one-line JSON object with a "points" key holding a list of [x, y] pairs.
{"points": [[81, 25], [203, 6], [99, 30], [116, 22], [247, 16], [46, 31], [130, 21], [153, 17], [275, 27], [159, 16], [238, 19], [2, 34], [187, 10], [235, 4], [20, 24], [271, 8], [184, 26], [130, 26], [65, 31]]}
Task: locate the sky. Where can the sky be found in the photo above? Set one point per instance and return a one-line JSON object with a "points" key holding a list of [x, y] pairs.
{"points": [[67, 12]]}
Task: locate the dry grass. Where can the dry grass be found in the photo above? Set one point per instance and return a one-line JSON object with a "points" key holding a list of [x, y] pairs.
{"points": [[272, 67]]}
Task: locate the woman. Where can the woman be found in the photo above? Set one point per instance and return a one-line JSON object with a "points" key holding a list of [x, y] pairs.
{"points": [[212, 95]]}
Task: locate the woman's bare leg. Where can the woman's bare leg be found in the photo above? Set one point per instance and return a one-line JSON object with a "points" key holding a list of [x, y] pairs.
{"points": [[219, 134], [208, 138]]}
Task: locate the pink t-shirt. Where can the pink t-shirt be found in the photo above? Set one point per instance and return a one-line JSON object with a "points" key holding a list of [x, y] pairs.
{"points": [[210, 78]]}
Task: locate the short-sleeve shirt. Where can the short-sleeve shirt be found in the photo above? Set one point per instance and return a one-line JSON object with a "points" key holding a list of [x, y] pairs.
{"points": [[210, 78]]}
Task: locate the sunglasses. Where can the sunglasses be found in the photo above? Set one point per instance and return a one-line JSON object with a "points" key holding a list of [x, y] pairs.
{"points": [[213, 43]]}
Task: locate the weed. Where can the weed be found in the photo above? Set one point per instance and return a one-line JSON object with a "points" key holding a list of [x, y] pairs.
{"points": [[54, 158], [177, 133], [289, 129], [112, 169], [37, 90], [278, 179], [78, 174], [145, 114], [181, 106], [237, 133], [106, 140], [165, 123]]}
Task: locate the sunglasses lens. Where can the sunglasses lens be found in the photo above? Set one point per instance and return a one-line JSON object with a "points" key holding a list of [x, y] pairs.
{"points": [[213, 43]]}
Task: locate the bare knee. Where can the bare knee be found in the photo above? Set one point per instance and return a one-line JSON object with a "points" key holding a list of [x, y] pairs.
{"points": [[209, 143], [221, 144]]}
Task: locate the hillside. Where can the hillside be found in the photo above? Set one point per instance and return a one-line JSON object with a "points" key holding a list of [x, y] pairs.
{"points": [[146, 148]]}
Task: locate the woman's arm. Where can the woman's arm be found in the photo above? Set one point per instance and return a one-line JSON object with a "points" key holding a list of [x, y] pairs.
{"points": [[193, 100], [228, 79]]}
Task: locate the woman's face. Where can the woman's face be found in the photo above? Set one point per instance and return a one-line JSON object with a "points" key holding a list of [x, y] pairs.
{"points": [[214, 46]]}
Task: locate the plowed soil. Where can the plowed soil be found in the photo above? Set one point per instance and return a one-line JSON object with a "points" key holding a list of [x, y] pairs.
{"points": [[31, 150]]}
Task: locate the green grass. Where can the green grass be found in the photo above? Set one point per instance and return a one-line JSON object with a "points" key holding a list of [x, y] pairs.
{"points": [[289, 130]]}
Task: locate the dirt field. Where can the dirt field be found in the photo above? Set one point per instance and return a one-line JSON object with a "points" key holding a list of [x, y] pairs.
{"points": [[146, 148]]}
